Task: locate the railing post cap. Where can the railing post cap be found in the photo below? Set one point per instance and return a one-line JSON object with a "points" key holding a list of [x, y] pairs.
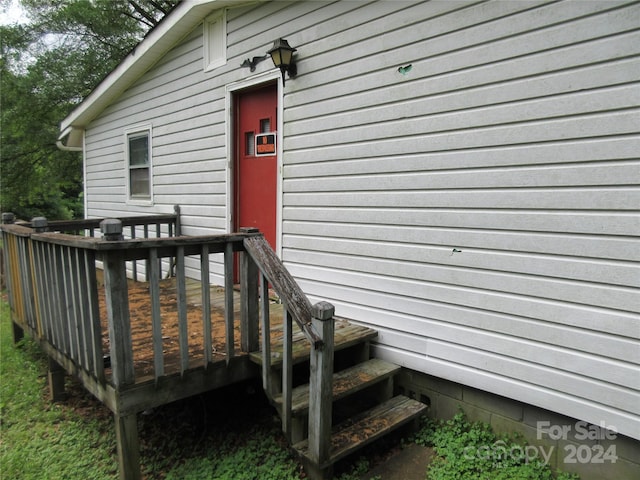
{"points": [[8, 217], [39, 222], [249, 230], [323, 311], [111, 228]]}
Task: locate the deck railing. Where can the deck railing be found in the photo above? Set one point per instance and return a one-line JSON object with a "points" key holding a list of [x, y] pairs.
{"points": [[53, 288], [54, 293]]}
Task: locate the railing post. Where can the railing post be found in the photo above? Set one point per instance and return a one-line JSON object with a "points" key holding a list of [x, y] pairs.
{"points": [[321, 388], [249, 330], [117, 299]]}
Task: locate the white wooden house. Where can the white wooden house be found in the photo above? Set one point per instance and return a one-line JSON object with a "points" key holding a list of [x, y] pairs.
{"points": [[460, 175]]}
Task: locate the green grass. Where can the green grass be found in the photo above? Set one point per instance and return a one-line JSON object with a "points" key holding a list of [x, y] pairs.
{"points": [[471, 450], [41, 440]]}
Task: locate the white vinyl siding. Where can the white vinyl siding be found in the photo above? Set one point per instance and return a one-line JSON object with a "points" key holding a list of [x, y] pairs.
{"points": [[481, 210]]}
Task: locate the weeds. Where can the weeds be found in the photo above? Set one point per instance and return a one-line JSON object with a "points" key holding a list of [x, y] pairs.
{"points": [[467, 450]]}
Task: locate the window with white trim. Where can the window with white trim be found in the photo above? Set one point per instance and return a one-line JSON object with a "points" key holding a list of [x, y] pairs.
{"points": [[138, 150], [215, 40]]}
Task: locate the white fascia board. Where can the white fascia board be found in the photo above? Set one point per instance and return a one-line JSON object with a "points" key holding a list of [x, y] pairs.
{"points": [[178, 23]]}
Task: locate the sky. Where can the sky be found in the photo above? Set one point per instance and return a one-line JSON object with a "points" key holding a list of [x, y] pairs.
{"points": [[11, 12]]}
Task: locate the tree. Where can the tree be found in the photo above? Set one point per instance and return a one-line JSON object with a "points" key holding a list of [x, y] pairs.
{"points": [[47, 67]]}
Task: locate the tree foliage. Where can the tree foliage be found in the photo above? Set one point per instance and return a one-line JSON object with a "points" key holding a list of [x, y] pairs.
{"points": [[47, 67]]}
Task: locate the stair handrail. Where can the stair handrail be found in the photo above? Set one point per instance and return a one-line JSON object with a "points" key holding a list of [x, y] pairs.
{"points": [[318, 324], [283, 283]]}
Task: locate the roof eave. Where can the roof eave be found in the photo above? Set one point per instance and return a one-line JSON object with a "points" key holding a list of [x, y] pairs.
{"points": [[182, 20]]}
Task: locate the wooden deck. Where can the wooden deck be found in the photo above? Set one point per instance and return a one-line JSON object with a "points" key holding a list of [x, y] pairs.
{"points": [[139, 345], [346, 333], [140, 305]]}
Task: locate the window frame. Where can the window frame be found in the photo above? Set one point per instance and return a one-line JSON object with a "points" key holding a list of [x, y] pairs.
{"points": [[215, 32], [130, 133]]}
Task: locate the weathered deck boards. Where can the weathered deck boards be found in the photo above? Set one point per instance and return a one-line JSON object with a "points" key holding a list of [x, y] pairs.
{"points": [[367, 427], [346, 335], [141, 326], [345, 383]]}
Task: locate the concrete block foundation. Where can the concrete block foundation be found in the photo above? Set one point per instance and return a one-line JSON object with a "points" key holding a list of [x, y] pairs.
{"points": [[568, 443]]}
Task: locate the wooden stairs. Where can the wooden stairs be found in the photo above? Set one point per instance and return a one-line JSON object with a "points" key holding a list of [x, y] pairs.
{"points": [[363, 409]]}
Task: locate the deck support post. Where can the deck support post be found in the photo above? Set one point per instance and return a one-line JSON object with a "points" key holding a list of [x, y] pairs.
{"points": [[18, 332], [128, 446], [56, 381], [249, 303], [321, 392]]}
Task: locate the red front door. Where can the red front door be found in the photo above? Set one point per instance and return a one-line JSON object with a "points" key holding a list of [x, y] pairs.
{"points": [[256, 168]]}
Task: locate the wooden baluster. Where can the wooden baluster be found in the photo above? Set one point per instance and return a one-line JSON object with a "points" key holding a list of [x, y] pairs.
{"points": [[59, 299], [178, 226], [46, 307], [266, 335], [74, 310], [206, 304], [38, 278], [134, 263], [183, 334], [70, 312], [287, 372], [93, 312], [156, 317], [228, 301], [40, 225], [147, 270]]}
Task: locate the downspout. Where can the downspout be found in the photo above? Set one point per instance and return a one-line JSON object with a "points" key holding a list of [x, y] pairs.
{"points": [[74, 138]]}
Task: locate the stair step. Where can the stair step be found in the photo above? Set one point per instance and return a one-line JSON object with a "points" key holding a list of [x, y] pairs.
{"points": [[346, 335], [367, 427], [345, 382]]}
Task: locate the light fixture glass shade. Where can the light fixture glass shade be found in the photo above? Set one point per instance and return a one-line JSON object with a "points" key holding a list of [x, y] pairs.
{"points": [[281, 53]]}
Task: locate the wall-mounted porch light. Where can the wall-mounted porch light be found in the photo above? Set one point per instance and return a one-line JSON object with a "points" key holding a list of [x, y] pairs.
{"points": [[282, 56]]}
